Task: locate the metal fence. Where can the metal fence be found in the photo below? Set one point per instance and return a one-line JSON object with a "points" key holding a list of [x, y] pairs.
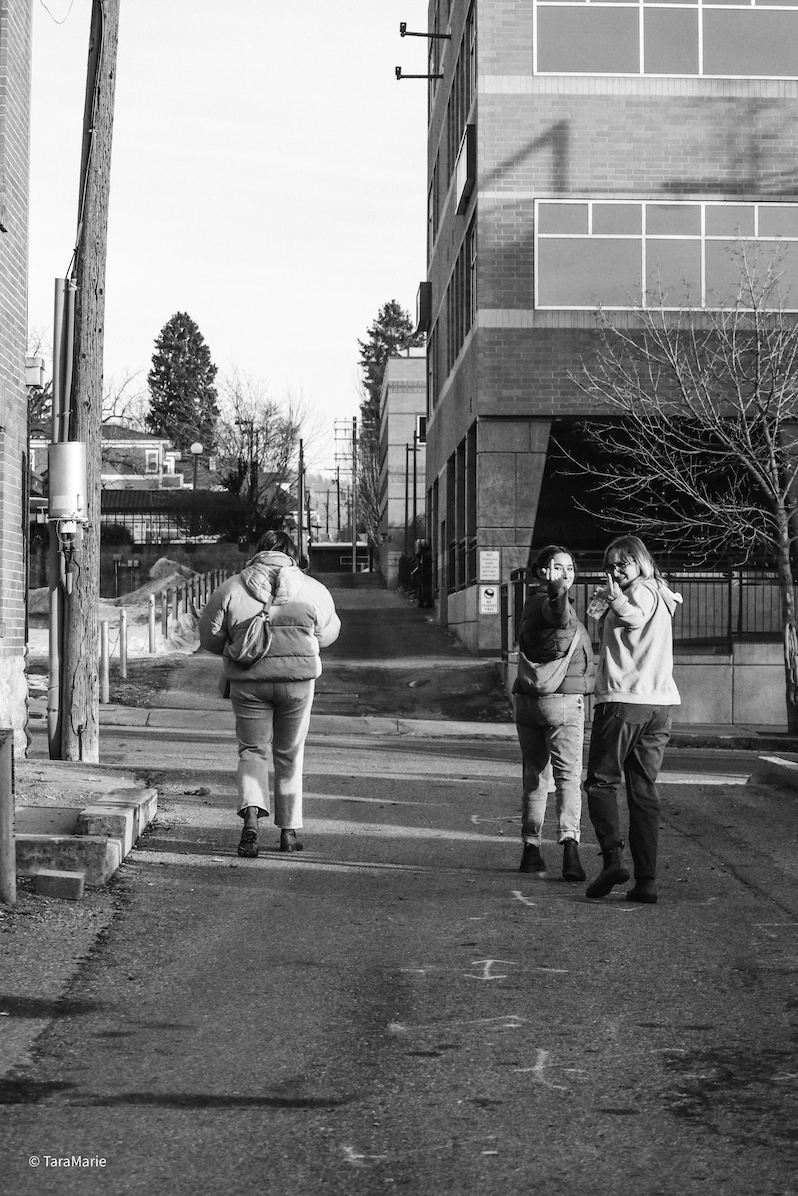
{"points": [[718, 607]]}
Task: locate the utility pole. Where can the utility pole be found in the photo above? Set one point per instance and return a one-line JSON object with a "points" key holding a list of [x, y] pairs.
{"points": [[354, 494], [300, 498], [80, 722]]}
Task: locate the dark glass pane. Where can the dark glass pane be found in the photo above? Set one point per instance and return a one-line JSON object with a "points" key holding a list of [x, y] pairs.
{"points": [[751, 42], [562, 218], [670, 41], [778, 220], [591, 40], [729, 220], [676, 219], [617, 218], [585, 273], [673, 273]]}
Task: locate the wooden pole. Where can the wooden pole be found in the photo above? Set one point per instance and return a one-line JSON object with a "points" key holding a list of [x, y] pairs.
{"points": [[80, 730], [8, 852]]}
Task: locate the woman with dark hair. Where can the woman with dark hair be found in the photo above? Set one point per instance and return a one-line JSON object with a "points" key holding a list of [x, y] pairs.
{"points": [[272, 697], [551, 724]]}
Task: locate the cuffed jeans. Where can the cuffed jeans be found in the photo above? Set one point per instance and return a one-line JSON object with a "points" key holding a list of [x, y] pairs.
{"points": [[627, 743], [551, 729], [276, 715]]}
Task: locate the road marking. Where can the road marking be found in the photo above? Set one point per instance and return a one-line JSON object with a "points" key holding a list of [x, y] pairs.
{"points": [[701, 778], [537, 1072], [487, 973], [358, 1160], [507, 1021]]}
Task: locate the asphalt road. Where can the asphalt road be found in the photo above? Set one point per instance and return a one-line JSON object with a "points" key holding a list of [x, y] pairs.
{"points": [[398, 1007]]}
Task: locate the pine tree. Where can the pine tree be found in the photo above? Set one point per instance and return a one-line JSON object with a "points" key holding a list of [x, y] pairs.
{"points": [[391, 331], [182, 393]]}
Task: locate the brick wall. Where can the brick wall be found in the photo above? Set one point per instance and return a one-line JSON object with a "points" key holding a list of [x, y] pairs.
{"points": [[15, 49]]}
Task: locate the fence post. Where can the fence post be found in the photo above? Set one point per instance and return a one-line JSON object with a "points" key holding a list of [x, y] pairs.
{"points": [[123, 644], [164, 613], [175, 604], [8, 852], [105, 691], [151, 622]]}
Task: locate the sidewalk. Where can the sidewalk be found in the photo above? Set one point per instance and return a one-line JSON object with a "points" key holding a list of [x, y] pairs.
{"points": [[211, 716]]}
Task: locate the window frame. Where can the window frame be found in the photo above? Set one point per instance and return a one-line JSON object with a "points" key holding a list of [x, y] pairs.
{"points": [[644, 235], [640, 7]]}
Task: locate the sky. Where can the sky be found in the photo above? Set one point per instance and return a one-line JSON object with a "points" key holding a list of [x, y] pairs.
{"points": [[268, 178]]}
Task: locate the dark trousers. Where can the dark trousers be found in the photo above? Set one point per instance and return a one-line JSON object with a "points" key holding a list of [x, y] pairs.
{"points": [[627, 744]]}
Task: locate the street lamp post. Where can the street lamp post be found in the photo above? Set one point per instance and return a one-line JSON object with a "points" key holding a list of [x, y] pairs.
{"points": [[195, 450]]}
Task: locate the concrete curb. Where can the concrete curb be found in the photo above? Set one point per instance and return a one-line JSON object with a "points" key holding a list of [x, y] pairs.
{"points": [[220, 722], [772, 770], [104, 833]]}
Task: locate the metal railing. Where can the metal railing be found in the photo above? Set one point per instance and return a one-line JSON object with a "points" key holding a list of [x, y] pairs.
{"points": [[717, 607]]}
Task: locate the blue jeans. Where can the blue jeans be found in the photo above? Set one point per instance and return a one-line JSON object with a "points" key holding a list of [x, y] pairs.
{"points": [[551, 729], [272, 715], [627, 744]]}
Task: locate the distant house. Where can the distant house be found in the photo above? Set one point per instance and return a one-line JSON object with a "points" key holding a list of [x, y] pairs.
{"points": [[148, 489], [134, 460]]}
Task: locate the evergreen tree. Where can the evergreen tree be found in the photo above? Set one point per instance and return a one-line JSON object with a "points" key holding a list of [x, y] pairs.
{"points": [[391, 332], [182, 393]]}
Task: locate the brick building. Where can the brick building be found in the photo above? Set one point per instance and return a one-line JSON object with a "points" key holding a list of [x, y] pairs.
{"points": [[579, 154], [15, 56]]}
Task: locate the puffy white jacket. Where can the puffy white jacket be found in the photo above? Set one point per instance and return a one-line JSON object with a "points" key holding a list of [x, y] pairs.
{"points": [[636, 655], [301, 613]]}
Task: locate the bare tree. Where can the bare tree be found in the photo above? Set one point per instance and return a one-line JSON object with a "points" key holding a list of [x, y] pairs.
{"points": [[702, 450], [125, 401], [257, 440]]}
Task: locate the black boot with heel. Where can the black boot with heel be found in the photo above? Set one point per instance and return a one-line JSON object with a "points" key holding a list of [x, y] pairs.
{"points": [[614, 872]]}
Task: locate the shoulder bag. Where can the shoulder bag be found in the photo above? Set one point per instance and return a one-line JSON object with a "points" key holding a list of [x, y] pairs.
{"points": [[538, 680]]}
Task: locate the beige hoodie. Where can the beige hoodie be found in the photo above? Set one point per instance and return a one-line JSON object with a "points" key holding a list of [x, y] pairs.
{"points": [[636, 655]]}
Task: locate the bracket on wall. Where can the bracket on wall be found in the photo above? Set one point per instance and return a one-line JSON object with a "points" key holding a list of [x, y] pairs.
{"points": [[405, 32], [399, 75]]}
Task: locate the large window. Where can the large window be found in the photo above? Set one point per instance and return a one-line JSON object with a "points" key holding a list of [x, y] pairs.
{"points": [[741, 38], [628, 255], [461, 299]]}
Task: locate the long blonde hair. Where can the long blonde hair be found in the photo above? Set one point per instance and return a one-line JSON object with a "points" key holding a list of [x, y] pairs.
{"points": [[633, 549]]}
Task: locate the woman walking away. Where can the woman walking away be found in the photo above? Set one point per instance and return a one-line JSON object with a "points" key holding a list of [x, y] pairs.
{"points": [[268, 623], [554, 674], [635, 691]]}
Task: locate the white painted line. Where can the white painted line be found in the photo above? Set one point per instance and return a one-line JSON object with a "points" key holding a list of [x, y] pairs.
{"points": [[701, 778]]}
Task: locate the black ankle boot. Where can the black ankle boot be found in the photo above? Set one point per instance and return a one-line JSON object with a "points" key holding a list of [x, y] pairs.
{"points": [[531, 859], [644, 891], [571, 866], [289, 841], [614, 872]]}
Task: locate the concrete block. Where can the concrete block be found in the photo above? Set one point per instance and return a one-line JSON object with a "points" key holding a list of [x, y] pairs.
{"points": [[773, 770], [143, 802], [66, 885], [113, 821], [94, 855]]}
